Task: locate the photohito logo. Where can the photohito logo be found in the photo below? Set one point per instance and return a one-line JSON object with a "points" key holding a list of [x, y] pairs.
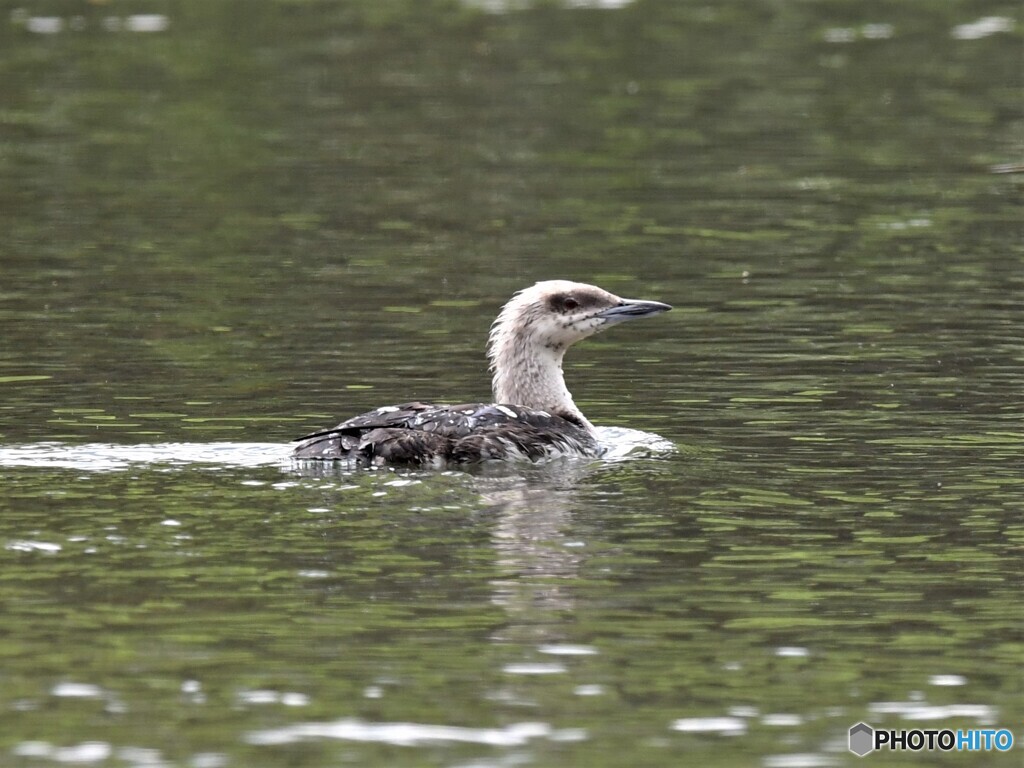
{"points": [[864, 740]]}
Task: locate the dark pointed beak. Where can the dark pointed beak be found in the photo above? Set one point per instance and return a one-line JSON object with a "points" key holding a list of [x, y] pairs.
{"points": [[630, 309]]}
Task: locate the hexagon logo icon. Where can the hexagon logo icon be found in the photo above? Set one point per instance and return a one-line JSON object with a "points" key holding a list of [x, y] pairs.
{"points": [[862, 739]]}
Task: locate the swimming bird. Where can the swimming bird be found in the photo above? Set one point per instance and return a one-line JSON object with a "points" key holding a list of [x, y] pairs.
{"points": [[533, 416]]}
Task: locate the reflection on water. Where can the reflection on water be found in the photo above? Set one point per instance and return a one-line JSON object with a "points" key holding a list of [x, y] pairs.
{"points": [[982, 714], [983, 27], [729, 726], [411, 734], [507, 6], [530, 537], [52, 25]]}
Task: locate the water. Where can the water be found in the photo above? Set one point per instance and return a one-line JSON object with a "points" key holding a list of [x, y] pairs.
{"points": [[226, 227]]}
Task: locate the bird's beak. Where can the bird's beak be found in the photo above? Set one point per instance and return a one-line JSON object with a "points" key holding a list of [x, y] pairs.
{"points": [[630, 309]]}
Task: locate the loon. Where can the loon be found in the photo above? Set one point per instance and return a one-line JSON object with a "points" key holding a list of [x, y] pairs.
{"points": [[533, 416]]}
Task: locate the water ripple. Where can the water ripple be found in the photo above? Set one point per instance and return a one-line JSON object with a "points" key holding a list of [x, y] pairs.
{"points": [[411, 734], [107, 457]]}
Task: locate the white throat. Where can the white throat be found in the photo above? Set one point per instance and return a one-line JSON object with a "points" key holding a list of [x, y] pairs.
{"points": [[528, 373]]}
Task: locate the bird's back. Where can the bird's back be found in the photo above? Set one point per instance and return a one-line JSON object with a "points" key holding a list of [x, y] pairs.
{"points": [[429, 435]]}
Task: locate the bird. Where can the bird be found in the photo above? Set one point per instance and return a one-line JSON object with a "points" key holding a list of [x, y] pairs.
{"points": [[533, 415]]}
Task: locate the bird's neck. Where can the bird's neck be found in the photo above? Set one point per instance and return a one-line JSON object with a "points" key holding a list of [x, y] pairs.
{"points": [[530, 375]]}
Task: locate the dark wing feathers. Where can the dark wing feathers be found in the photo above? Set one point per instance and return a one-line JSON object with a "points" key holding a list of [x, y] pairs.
{"points": [[421, 434]]}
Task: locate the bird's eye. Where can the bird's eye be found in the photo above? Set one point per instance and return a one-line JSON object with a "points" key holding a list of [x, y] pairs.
{"points": [[571, 303]]}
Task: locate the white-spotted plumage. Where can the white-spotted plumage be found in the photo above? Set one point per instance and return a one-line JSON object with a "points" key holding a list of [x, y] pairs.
{"points": [[533, 415]]}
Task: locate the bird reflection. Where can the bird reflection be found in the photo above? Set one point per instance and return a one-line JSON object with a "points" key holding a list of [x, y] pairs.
{"points": [[535, 545]]}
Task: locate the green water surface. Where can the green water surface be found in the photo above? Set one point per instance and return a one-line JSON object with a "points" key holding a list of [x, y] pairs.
{"points": [[262, 217]]}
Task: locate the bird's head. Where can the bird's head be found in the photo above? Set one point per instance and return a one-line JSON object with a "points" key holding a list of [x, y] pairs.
{"points": [[555, 314]]}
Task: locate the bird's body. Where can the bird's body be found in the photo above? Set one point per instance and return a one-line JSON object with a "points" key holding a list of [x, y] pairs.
{"points": [[425, 434], [533, 416]]}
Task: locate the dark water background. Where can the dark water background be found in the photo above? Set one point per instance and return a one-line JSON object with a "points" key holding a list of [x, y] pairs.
{"points": [[261, 217]]}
